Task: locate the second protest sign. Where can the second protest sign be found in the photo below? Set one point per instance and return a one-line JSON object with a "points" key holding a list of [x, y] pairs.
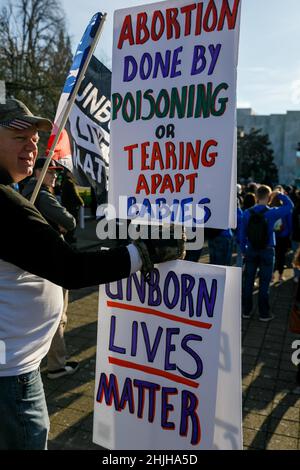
{"points": [[158, 359]]}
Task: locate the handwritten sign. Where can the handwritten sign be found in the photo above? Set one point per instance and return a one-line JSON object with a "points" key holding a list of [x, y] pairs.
{"points": [[173, 111], [228, 420], [158, 359]]}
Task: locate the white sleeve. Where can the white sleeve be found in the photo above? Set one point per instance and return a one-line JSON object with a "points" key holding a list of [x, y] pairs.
{"points": [[135, 259]]}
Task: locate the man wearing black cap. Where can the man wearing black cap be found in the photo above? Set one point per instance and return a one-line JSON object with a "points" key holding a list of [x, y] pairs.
{"points": [[31, 298]]}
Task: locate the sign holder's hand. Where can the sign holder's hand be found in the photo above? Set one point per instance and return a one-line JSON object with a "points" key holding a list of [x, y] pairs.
{"points": [[159, 248]]}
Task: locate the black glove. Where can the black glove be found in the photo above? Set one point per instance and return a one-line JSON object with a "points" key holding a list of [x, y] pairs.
{"points": [[163, 246]]}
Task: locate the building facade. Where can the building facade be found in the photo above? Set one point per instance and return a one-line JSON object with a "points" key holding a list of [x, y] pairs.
{"points": [[284, 134]]}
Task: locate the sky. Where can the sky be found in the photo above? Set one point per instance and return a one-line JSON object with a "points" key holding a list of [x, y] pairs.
{"points": [[269, 52]]}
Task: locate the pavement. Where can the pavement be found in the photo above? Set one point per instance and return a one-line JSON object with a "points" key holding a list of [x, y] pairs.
{"points": [[271, 409]]}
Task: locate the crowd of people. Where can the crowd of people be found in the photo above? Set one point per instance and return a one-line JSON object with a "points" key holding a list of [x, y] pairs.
{"points": [[268, 228], [263, 235]]}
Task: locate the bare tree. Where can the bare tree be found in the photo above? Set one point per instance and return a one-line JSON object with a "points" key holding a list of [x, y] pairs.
{"points": [[35, 52]]}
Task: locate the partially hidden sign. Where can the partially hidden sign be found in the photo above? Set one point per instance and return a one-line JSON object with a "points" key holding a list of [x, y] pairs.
{"points": [[174, 111], [158, 361]]}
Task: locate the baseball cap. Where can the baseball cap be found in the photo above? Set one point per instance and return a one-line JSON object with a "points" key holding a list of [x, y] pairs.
{"points": [[39, 164], [15, 115]]}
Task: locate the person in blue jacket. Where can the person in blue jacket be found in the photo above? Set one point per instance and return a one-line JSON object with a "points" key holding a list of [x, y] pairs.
{"points": [[238, 239], [283, 232], [261, 258], [220, 246]]}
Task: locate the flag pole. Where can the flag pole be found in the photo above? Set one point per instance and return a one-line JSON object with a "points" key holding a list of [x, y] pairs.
{"points": [[68, 110]]}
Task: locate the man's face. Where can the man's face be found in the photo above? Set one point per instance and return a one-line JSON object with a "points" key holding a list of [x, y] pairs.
{"points": [[18, 152]]}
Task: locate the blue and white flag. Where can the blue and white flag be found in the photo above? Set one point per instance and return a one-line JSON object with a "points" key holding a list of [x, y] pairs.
{"points": [[82, 53], [79, 60]]}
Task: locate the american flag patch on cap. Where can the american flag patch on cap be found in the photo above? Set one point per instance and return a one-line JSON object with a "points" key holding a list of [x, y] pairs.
{"points": [[19, 124]]}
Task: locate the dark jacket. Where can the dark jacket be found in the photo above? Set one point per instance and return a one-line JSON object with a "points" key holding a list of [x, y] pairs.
{"points": [[296, 223], [29, 242], [70, 197], [55, 214]]}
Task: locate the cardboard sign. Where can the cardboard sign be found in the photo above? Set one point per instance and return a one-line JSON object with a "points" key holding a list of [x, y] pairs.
{"points": [[158, 360], [174, 112], [228, 420]]}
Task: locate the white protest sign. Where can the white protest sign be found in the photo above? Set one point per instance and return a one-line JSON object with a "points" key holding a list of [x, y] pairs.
{"points": [[228, 419], [158, 359], [174, 111]]}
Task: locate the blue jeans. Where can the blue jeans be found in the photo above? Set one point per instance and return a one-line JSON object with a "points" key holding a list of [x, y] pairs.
{"points": [[239, 256], [220, 250], [264, 261], [24, 421]]}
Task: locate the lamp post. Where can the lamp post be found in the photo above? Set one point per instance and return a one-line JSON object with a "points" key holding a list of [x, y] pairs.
{"points": [[240, 151]]}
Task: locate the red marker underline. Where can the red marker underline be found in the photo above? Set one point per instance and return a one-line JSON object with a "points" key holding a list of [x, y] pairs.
{"points": [[157, 313], [153, 371]]}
